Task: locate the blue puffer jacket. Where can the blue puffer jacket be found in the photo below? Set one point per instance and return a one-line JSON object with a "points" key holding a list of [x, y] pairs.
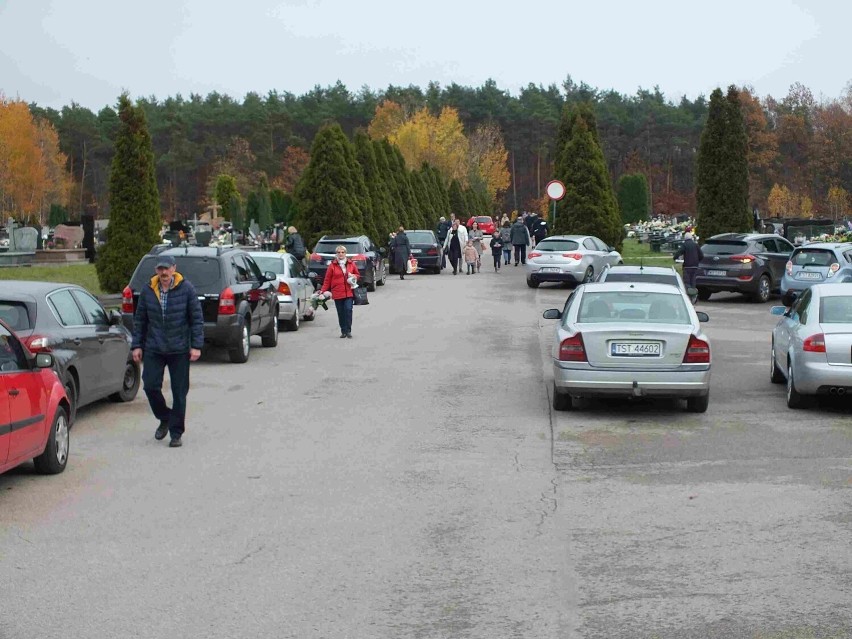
{"points": [[176, 331]]}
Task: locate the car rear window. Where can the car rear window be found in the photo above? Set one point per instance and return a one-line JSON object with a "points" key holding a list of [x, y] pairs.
{"points": [[483, 219], [420, 237], [557, 245], [632, 307], [723, 248], [836, 309], [274, 264], [15, 314], [656, 278], [352, 248], [204, 273], [813, 257]]}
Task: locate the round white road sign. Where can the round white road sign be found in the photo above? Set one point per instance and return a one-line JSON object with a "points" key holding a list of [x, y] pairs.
{"points": [[555, 190]]}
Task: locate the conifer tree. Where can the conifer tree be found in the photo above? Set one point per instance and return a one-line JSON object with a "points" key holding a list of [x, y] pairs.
{"points": [[379, 196], [443, 199], [458, 205], [252, 209], [400, 176], [387, 178], [135, 220], [235, 212], [424, 214], [633, 197], [358, 188], [226, 185], [264, 205]]}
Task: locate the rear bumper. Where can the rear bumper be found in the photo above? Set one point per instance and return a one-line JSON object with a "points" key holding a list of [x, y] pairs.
{"points": [[614, 383], [813, 378], [571, 273], [733, 284]]}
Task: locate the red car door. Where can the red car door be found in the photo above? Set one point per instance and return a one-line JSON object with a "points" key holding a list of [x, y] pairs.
{"points": [[26, 398], [5, 423]]}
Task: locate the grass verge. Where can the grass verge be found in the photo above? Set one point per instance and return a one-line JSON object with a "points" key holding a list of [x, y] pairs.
{"points": [[83, 275]]}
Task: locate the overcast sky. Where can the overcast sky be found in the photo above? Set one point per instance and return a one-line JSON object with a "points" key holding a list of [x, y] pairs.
{"points": [[53, 52]]}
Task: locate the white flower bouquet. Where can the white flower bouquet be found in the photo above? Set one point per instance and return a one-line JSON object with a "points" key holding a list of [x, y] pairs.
{"points": [[320, 299]]}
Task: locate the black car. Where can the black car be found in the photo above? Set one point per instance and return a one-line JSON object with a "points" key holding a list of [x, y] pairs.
{"points": [[368, 257], [426, 250], [90, 347], [750, 263], [237, 299]]}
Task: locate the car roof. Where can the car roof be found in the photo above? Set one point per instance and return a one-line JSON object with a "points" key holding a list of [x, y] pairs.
{"points": [[566, 237], [21, 290], [832, 290], [825, 245], [631, 268], [325, 238], [193, 251], [614, 287], [267, 254], [742, 237]]}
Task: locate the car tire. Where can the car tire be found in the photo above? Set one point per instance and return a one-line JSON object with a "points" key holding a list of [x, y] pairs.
{"points": [[292, 324], [589, 275], [130, 384], [794, 398], [561, 401], [371, 286], [704, 294], [532, 283], [55, 456], [764, 288], [239, 353], [775, 374], [698, 404], [383, 278], [269, 337], [71, 392]]}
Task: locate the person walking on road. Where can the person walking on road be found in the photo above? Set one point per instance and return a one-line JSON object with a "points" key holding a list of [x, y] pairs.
{"points": [[539, 230], [454, 245], [340, 279], [692, 256], [443, 230], [294, 244], [401, 249], [496, 249], [168, 331], [520, 240], [506, 238], [476, 236], [471, 257]]}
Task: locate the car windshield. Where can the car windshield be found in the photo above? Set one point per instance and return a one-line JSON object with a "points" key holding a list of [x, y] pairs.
{"points": [[557, 245], [352, 248], [712, 247], [483, 219], [633, 307], [203, 273], [420, 237], [836, 309], [15, 315], [813, 257], [270, 263], [656, 278]]}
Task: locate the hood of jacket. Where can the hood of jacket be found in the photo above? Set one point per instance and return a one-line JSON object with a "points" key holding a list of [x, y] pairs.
{"points": [[155, 283]]}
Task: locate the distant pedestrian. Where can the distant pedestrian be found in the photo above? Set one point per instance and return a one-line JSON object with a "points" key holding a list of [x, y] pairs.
{"points": [[294, 244], [692, 256], [496, 249], [471, 257], [401, 252], [168, 331], [341, 278], [506, 238], [476, 236], [443, 229], [454, 245], [520, 240], [539, 230]]}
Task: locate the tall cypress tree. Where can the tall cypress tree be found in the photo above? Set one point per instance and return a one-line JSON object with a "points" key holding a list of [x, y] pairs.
{"points": [[633, 197], [387, 178], [721, 182], [235, 212], [408, 212], [458, 205], [442, 197], [379, 196], [264, 205], [358, 188], [135, 220], [425, 216]]}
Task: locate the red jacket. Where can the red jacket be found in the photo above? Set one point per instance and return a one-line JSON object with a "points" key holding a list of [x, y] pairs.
{"points": [[336, 282]]}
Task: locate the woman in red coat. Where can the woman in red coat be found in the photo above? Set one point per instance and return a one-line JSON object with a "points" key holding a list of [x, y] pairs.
{"points": [[340, 278]]}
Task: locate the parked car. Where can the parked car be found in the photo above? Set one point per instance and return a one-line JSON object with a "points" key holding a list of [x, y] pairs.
{"points": [[293, 285], [656, 274], [426, 249], [570, 259], [368, 257], [749, 263], [91, 348], [238, 299], [630, 340], [35, 423], [817, 263], [486, 223], [812, 344]]}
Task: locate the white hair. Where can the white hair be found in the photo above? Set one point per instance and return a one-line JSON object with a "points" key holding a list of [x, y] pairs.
{"points": [[687, 236]]}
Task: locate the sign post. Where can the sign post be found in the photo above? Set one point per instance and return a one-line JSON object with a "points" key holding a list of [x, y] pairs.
{"points": [[555, 191]]}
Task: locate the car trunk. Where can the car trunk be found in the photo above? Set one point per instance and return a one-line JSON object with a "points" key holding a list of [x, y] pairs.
{"points": [[838, 343], [600, 340], [719, 259], [812, 265]]}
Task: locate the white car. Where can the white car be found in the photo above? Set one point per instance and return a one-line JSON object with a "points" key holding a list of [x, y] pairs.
{"points": [[574, 259], [630, 339], [293, 286]]}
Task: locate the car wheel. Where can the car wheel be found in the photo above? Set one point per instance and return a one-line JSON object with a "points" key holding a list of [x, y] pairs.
{"points": [[384, 277], [763, 289], [269, 337], [703, 294], [55, 456], [775, 374], [532, 283], [292, 324], [130, 383], [589, 275], [371, 286], [698, 404], [239, 353], [561, 401], [71, 393], [794, 398]]}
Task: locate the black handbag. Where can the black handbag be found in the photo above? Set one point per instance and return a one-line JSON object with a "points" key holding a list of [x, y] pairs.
{"points": [[361, 296]]}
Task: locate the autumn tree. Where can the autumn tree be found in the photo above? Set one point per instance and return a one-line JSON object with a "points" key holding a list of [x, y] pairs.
{"points": [[135, 220], [488, 161], [781, 202], [293, 165], [762, 147], [633, 197], [264, 207], [226, 186], [838, 202], [389, 116]]}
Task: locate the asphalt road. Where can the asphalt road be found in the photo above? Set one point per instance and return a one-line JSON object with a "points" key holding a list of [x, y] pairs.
{"points": [[413, 482]]}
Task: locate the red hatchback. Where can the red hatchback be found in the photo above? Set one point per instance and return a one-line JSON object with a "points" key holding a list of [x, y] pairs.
{"points": [[486, 223], [33, 409]]}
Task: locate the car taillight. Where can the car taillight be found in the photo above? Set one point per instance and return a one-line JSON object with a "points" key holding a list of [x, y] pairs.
{"points": [[360, 260], [227, 305], [572, 349], [789, 267], [742, 259], [534, 254], [283, 288], [814, 343], [37, 343], [432, 251], [316, 257], [833, 269], [573, 256], [697, 351], [127, 300]]}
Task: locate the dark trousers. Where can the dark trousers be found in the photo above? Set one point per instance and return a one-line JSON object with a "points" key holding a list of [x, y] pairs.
{"points": [[496, 257], [521, 253], [689, 273], [344, 314], [152, 380]]}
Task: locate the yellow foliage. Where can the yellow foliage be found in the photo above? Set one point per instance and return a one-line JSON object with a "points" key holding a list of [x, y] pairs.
{"points": [[387, 120]]}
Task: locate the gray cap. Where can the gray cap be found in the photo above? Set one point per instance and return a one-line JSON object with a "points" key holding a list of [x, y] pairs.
{"points": [[165, 261]]}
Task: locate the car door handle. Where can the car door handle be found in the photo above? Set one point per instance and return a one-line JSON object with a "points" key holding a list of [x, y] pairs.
{"points": [[77, 341], [14, 392]]}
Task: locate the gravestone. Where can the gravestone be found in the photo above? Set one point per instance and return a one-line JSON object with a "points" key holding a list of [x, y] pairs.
{"points": [[24, 240], [71, 237]]}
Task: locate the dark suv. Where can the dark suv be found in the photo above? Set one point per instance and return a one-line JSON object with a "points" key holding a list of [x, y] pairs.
{"points": [[750, 263], [425, 249], [237, 300], [368, 257]]}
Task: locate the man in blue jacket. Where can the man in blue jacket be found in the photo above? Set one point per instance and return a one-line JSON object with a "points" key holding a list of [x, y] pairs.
{"points": [[168, 330]]}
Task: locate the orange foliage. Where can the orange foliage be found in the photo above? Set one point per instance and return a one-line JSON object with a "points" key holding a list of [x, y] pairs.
{"points": [[293, 164]]}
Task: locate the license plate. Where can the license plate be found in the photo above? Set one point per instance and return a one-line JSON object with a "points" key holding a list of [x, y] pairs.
{"points": [[549, 269], [808, 275], [716, 273], [416, 251], [635, 349]]}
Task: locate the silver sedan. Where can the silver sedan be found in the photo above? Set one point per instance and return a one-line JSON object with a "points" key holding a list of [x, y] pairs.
{"points": [[293, 287], [569, 258], [628, 339], [812, 344]]}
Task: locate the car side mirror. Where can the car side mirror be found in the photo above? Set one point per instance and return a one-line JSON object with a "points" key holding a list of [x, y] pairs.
{"points": [[702, 316], [114, 318], [778, 310], [44, 360], [552, 313], [269, 276]]}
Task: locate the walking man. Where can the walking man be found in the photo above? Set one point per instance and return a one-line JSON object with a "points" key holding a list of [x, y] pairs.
{"points": [[443, 230], [168, 331], [520, 240], [692, 256]]}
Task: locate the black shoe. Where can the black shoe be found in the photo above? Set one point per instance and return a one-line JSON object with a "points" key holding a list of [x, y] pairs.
{"points": [[162, 430], [516, 263], [402, 277], [176, 442], [342, 335], [348, 335]]}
